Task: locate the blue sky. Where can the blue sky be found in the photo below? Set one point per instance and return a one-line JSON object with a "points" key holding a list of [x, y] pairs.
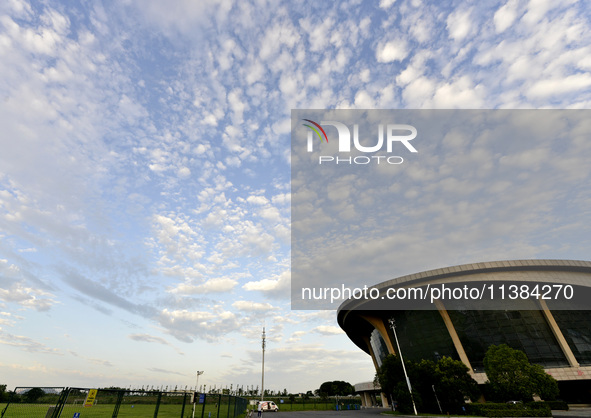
{"points": [[145, 168]]}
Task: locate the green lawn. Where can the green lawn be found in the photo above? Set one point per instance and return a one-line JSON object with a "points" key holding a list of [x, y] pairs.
{"points": [[166, 410], [126, 410]]}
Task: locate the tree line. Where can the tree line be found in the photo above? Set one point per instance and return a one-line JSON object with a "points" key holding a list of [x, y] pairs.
{"points": [[445, 385]]}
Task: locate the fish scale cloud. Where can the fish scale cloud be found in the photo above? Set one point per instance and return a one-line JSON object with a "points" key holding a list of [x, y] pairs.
{"points": [[146, 148]]}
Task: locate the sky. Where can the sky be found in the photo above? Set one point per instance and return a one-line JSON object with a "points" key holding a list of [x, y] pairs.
{"points": [[145, 196], [469, 185]]}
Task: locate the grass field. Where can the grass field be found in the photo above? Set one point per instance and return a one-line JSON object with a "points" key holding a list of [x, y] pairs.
{"points": [[23, 410], [130, 410]]}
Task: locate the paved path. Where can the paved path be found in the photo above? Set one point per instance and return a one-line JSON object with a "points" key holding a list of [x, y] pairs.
{"points": [[574, 412], [361, 413], [375, 413]]}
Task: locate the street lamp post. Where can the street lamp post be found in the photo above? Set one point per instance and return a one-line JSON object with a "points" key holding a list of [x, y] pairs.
{"points": [[393, 326], [437, 399], [263, 368], [199, 373]]}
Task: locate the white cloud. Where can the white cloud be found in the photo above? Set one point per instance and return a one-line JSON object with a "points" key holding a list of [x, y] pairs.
{"points": [[215, 285], [536, 9], [459, 93], [28, 297], [319, 34], [505, 16], [364, 101], [9, 319], [281, 199], [386, 4], [144, 179], [279, 284], [395, 50], [328, 330], [419, 92], [257, 200], [20, 8], [27, 344], [184, 172], [210, 325], [282, 127], [15, 290], [459, 25], [559, 86], [250, 306], [148, 338]]}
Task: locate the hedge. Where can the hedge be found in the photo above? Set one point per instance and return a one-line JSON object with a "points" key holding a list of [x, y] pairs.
{"points": [[557, 405], [532, 409]]}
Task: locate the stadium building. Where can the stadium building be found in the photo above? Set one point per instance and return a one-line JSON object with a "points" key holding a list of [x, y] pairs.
{"points": [[542, 307]]}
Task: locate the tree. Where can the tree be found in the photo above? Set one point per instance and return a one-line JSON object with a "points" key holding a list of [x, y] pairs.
{"points": [[336, 388], [454, 384], [446, 381], [512, 377], [391, 378], [546, 385], [33, 394], [389, 373]]}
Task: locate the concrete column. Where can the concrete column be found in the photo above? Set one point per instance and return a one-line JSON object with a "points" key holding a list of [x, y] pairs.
{"points": [[385, 400], [454, 335], [568, 353]]}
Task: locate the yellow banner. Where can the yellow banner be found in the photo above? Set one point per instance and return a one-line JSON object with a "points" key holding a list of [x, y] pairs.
{"points": [[89, 401]]}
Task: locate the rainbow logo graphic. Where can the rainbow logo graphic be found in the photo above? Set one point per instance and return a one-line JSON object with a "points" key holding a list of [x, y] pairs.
{"points": [[316, 125]]}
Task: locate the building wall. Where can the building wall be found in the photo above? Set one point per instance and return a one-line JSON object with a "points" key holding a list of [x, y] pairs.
{"points": [[554, 334]]}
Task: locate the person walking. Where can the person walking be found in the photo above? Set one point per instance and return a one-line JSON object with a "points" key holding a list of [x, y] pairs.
{"points": [[260, 409]]}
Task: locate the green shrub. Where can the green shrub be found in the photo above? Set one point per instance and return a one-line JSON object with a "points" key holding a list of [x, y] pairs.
{"points": [[557, 405]]}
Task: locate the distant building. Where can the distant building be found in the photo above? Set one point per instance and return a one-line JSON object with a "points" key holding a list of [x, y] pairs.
{"points": [[553, 332], [370, 393]]}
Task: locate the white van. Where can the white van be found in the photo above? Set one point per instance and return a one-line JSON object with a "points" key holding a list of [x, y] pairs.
{"points": [[269, 406]]}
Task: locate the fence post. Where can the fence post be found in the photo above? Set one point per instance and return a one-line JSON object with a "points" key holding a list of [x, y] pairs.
{"points": [[219, 404], [60, 403], [157, 404], [184, 402], [118, 403], [204, 402]]}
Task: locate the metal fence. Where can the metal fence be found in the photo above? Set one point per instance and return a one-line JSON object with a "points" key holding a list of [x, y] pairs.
{"points": [[54, 402]]}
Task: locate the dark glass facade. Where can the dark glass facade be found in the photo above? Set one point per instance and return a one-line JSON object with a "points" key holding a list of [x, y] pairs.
{"points": [[423, 335], [379, 347], [527, 331], [575, 324], [576, 328]]}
